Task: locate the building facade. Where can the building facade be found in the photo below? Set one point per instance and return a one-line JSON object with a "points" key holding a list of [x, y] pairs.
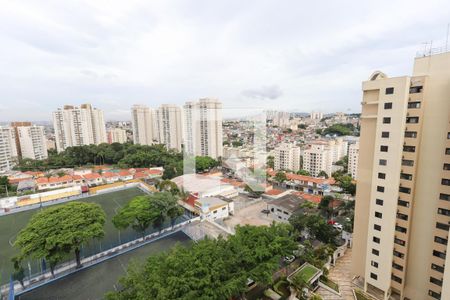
{"points": [[402, 215], [143, 120], [287, 157], [78, 126], [8, 152], [32, 141], [14, 126], [117, 135], [169, 126], [353, 154]]}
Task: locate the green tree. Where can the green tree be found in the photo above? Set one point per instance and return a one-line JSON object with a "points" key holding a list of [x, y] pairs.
{"points": [[168, 186], [325, 205], [323, 174], [56, 231], [270, 162], [280, 177], [5, 186], [303, 172], [19, 271], [204, 163]]}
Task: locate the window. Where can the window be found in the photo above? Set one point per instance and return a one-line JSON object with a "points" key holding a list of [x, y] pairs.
{"points": [[447, 151], [445, 181], [402, 216], [397, 266], [380, 189], [400, 229], [388, 105], [382, 175], [386, 120], [412, 120], [405, 190], [389, 91], [403, 203], [382, 162], [377, 227], [373, 276], [407, 162], [384, 148], [438, 268], [438, 254], [415, 89], [396, 278], [379, 202], [375, 252], [446, 167], [376, 239], [405, 176], [444, 212], [414, 104], [436, 281], [434, 294], [378, 215], [448, 135], [440, 240], [385, 134], [445, 197], [374, 264], [442, 226], [411, 134], [399, 242], [398, 254], [409, 148]]}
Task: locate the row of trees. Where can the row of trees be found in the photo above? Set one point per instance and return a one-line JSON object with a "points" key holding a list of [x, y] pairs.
{"points": [[210, 269]]}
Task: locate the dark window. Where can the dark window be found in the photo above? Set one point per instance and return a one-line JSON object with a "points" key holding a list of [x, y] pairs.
{"points": [[398, 254], [373, 276], [446, 167], [380, 189], [396, 278], [382, 162], [445, 197], [385, 134], [377, 227], [379, 202], [444, 212], [389, 91], [388, 105], [415, 89], [378, 215], [447, 151], [407, 162], [405, 176], [412, 120], [375, 252], [438, 268], [415, 104], [410, 134], [386, 120], [440, 240], [402, 216], [374, 264], [400, 229], [442, 226], [382, 175], [445, 181], [409, 148], [436, 281], [376, 239], [397, 266], [434, 294], [448, 135], [399, 242], [403, 203], [438, 254], [405, 190], [384, 148]]}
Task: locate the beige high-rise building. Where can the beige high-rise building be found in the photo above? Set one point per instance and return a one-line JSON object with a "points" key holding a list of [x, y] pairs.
{"points": [[287, 157], [32, 142], [77, 126], [143, 120], [169, 126], [8, 152], [117, 135], [402, 217], [320, 155], [353, 154], [14, 126], [203, 128]]}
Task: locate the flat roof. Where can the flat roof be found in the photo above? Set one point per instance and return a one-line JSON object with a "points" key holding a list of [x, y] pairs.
{"points": [[288, 202]]}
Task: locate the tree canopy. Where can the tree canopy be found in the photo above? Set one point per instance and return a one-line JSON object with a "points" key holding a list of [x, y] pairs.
{"points": [[210, 269], [339, 129], [56, 231], [280, 177], [303, 172], [204, 163]]}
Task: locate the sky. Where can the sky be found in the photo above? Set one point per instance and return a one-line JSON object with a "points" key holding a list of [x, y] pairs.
{"points": [[283, 55]]}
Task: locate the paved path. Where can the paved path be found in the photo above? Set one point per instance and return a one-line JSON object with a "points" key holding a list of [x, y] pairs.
{"points": [[341, 274]]}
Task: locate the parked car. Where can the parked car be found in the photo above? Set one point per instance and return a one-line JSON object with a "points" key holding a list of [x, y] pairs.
{"points": [[338, 226], [289, 259]]}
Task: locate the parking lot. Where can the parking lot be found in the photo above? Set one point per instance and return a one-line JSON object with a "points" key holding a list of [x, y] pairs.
{"points": [[250, 215]]}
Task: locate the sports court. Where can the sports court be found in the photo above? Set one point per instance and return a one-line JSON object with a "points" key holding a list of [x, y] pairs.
{"points": [[10, 225], [93, 282]]}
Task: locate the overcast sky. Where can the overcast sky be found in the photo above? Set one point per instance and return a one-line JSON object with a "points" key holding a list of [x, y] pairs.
{"points": [[284, 55]]}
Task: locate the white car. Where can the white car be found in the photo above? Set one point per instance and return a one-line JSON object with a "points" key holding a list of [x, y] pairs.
{"points": [[289, 259], [338, 226]]}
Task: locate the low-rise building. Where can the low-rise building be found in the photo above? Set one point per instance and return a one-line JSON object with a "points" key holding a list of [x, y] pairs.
{"points": [[110, 177], [93, 179], [214, 208], [283, 208]]}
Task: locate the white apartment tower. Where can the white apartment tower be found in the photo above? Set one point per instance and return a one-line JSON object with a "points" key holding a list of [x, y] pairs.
{"points": [[77, 126], [8, 152], [353, 154], [315, 115], [169, 126], [144, 124], [203, 128], [318, 157], [287, 157], [117, 135], [32, 142]]}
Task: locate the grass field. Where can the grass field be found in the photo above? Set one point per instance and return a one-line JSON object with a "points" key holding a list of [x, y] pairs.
{"points": [[10, 225]]}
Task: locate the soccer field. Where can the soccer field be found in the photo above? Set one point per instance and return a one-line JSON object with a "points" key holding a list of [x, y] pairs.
{"points": [[10, 225]]}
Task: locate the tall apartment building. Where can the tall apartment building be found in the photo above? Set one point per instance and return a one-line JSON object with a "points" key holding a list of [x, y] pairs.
{"points": [[143, 120], [287, 157], [315, 115], [32, 141], [402, 216], [203, 128], [353, 154], [77, 126], [14, 126], [320, 156], [116, 135], [169, 126], [8, 152]]}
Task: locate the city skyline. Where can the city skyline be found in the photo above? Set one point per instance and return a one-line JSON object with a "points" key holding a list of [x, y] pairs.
{"points": [[110, 60]]}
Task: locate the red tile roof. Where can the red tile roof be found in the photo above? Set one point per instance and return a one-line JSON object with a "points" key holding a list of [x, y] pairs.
{"points": [[292, 176], [274, 192], [311, 198], [154, 172], [109, 175], [124, 173], [91, 176]]}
